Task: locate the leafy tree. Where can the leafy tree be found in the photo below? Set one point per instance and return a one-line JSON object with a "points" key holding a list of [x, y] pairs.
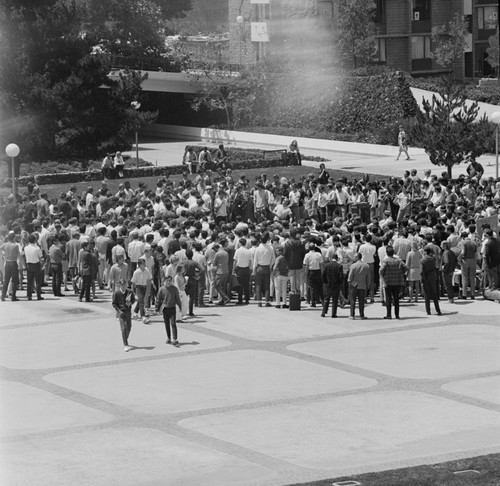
{"points": [[52, 87], [450, 41], [355, 31], [448, 129], [493, 51]]}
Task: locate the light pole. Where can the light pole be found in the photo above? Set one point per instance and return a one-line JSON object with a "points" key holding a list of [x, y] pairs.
{"points": [[495, 118], [136, 105], [12, 151], [239, 20]]}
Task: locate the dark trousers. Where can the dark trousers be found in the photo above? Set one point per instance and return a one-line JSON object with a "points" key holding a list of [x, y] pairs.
{"points": [[34, 275], [85, 287], [392, 293], [126, 325], [201, 289], [243, 275], [314, 283], [431, 293], [448, 283], [360, 294], [11, 272], [170, 322], [331, 293], [192, 292], [57, 277], [262, 282]]}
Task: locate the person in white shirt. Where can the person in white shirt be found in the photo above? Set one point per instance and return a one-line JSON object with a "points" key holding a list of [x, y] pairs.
{"points": [[367, 251], [242, 267], [263, 259]]}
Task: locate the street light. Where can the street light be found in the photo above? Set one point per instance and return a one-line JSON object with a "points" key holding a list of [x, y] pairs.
{"points": [[495, 118], [12, 151], [136, 105]]}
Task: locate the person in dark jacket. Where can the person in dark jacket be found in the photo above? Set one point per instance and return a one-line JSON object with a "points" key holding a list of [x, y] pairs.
{"points": [[492, 258], [428, 271], [123, 299], [449, 262], [166, 301], [393, 272], [86, 265], [294, 252], [332, 277]]}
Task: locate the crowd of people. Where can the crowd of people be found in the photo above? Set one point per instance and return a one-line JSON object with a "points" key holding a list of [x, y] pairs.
{"points": [[213, 239]]}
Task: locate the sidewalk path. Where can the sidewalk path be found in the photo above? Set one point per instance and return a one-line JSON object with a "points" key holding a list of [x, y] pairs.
{"points": [[165, 153], [253, 396]]}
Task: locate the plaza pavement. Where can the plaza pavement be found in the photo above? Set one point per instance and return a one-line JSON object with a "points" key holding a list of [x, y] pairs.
{"points": [[253, 396]]}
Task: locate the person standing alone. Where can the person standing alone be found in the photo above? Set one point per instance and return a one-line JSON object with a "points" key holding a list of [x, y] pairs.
{"points": [[402, 143], [123, 299]]}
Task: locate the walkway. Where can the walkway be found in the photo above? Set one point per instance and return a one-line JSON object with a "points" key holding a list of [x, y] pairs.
{"points": [[253, 396]]}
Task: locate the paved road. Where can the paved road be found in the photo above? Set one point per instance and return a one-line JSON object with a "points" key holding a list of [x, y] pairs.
{"points": [[253, 396]]}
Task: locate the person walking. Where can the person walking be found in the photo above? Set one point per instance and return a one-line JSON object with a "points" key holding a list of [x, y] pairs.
{"points": [[468, 264], [123, 299], [221, 265], [140, 280], [192, 271], [402, 143], [393, 271], [359, 282], [429, 280], [332, 277], [167, 300]]}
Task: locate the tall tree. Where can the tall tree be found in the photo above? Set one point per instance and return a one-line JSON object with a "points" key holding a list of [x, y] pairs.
{"points": [[448, 129], [450, 41], [355, 31], [52, 86]]}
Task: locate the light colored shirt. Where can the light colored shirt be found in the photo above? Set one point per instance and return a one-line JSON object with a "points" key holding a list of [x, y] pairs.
{"points": [[33, 253], [243, 257], [264, 255], [141, 277]]}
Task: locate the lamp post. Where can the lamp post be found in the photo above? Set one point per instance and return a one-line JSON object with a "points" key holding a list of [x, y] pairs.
{"points": [[12, 151], [495, 118], [136, 105], [239, 20]]}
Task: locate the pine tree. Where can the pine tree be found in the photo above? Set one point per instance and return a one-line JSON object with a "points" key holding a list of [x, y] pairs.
{"points": [[448, 128]]}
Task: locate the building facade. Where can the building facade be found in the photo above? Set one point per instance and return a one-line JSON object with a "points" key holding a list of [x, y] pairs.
{"points": [[403, 39]]}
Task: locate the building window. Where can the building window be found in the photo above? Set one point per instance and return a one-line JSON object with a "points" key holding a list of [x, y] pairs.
{"points": [[380, 53], [421, 47], [421, 10], [487, 18]]}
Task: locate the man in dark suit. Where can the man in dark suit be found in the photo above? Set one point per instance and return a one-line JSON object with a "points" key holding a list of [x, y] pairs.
{"points": [[359, 282], [429, 276], [393, 272], [332, 277]]}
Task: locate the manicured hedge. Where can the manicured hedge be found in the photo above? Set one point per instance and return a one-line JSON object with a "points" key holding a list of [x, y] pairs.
{"points": [[154, 171]]}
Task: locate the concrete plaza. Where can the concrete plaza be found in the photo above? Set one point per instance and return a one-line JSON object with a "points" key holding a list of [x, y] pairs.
{"points": [[253, 396]]}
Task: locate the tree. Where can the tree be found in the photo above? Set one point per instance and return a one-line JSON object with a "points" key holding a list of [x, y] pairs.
{"points": [[450, 41], [53, 95], [205, 17], [448, 129], [493, 51], [355, 31]]}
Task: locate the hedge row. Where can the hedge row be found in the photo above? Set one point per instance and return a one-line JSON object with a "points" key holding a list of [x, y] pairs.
{"points": [[130, 173]]}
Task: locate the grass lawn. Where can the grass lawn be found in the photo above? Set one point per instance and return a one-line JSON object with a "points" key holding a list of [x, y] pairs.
{"points": [[487, 467], [54, 190]]}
